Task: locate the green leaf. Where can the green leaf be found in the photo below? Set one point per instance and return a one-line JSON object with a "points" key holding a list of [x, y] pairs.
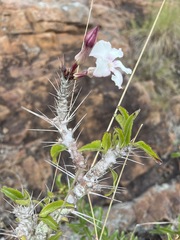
{"points": [[165, 230], [123, 112], [120, 136], [50, 222], [175, 155], [115, 178], [51, 207], [12, 193], [147, 149], [26, 199], [56, 236], [106, 141], [56, 150], [24, 202], [128, 127], [126, 123], [17, 196], [120, 119], [115, 139], [93, 146]]}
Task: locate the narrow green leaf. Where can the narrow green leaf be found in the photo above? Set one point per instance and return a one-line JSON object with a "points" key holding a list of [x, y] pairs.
{"points": [[169, 236], [26, 199], [12, 193], [115, 178], [93, 146], [106, 141], [115, 140], [128, 130], [123, 112], [56, 236], [50, 222], [120, 119], [120, 136], [175, 154], [56, 150], [128, 127], [24, 202], [59, 183], [51, 207], [147, 149]]}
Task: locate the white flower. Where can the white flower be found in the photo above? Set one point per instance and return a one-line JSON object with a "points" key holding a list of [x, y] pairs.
{"points": [[106, 63]]}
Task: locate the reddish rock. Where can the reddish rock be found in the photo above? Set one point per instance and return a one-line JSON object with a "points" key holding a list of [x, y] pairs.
{"points": [[47, 41], [159, 203], [4, 113], [13, 97], [7, 46], [36, 172], [18, 23]]}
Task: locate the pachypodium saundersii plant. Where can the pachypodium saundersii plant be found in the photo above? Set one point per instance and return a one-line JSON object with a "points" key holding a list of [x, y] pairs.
{"points": [[115, 145]]}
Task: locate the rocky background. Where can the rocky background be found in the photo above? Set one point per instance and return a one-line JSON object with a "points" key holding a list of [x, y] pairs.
{"points": [[34, 36]]}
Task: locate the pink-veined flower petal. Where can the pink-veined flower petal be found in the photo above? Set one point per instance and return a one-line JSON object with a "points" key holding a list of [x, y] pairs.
{"points": [[102, 68], [118, 64], [101, 49], [117, 78]]}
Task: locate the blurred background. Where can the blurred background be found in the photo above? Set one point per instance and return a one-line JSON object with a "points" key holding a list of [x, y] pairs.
{"points": [[34, 37]]}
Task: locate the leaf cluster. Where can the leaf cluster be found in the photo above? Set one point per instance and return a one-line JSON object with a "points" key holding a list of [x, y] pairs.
{"points": [[86, 232], [21, 198], [170, 231], [121, 137]]}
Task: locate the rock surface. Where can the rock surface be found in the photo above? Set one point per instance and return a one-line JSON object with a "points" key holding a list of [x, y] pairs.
{"points": [[160, 202], [34, 36]]}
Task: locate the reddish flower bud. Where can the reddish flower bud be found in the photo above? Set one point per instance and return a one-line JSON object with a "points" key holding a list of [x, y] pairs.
{"points": [[89, 42], [73, 68], [80, 75], [91, 37]]}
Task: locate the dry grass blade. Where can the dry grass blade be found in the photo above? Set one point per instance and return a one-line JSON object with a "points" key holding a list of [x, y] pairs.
{"points": [[120, 101]]}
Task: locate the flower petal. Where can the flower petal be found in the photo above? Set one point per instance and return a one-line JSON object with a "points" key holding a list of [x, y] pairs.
{"points": [[101, 49], [117, 78], [118, 64], [102, 68], [115, 53]]}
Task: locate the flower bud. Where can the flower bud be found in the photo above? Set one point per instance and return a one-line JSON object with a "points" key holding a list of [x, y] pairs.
{"points": [[89, 42], [91, 37], [73, 68], [89, 73], [80, 75]]}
